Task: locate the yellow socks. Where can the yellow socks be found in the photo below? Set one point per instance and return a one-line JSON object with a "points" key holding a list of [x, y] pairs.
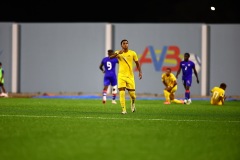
{"points": [[166, 95], [177, 101], [133, 98], [122, 100], [132, 95]]}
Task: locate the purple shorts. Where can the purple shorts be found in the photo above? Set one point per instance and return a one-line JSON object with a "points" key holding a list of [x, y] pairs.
{"points": [[187, 81], [110, 80]]}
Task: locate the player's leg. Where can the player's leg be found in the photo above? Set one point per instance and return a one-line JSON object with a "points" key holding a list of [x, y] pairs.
{"points": [[3, 88], [104, 94], [172, 96], [114, 89], [114, 94], [133, 96], [187, 91], [217, 103], [220, 101], [213, 102], [167, 96], [3, 91], [121, 87], [187, 84], [106, 83], [122, 99], [131, 90]]}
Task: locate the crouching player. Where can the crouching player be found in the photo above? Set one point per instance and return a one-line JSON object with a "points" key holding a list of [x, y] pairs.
{"points": [[218, 94], [170, 83]]}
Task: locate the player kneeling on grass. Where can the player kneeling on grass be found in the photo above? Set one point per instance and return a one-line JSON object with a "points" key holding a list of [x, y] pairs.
{"points": [[218, 94], [170, 82]]}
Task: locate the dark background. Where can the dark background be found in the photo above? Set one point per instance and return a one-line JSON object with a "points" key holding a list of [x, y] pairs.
{"points": [[152, 11]]}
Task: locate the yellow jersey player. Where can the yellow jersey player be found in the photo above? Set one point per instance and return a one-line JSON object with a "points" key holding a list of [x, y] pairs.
{"points": [[170, 83], [218, 94], [126, 81]]}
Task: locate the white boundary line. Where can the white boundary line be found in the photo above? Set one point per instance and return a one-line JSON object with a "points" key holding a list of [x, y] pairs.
{"points": [[132, 119]]}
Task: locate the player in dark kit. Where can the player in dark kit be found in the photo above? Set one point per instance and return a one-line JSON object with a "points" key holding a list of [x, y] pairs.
{"points": [[110, 77], [187, 67]]}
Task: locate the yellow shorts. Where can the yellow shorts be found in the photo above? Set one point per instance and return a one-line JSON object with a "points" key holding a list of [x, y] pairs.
{"points": [[219, 103], [126, 82]]}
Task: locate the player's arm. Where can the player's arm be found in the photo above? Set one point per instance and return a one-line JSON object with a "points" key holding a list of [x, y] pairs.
{"points": [[164, 83], [221, 99], [178, 71], [224, 97], [139, 69], [196, 74], [116, 54], [174, 83], [101, 67], [168, 88]]}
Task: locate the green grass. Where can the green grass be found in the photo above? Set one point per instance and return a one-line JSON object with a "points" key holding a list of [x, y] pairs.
{"points": [[65, 129]]}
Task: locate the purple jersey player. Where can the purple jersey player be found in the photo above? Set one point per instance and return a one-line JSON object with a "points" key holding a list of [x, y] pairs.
{"points": [[187, 67], [110, 77]]}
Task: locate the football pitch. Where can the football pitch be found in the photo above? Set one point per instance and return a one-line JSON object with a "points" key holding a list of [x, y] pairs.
{"points": [[85, 129]]}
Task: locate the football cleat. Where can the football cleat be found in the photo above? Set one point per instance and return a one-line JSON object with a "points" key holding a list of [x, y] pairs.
{"points": [[124, 112], [182, 101], [187, 101], [133, 107], [3, 95], [167, 102], [114, 102]]}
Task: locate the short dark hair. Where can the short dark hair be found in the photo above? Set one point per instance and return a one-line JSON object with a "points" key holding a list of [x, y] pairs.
{"points": [[187, 54], [0, 63], [110, 51], [123, 41], [223, 85], [168, 69]]}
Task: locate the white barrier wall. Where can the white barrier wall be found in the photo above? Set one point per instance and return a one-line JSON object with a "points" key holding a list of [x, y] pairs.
{"points": [[6, 53], [64, 57], [159, 46], [225, 57]]}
